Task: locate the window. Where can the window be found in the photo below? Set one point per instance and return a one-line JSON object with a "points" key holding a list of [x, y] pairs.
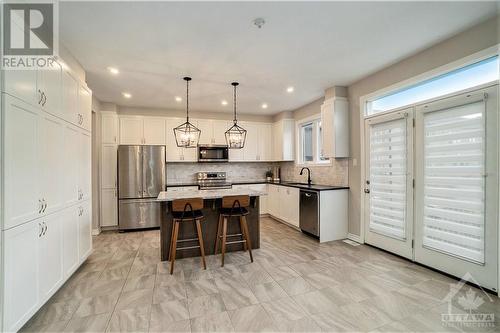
{"points": [[310, 142], [466, 77]]}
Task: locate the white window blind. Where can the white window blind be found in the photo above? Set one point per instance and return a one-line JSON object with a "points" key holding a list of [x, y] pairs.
{"points": [[454, 155], [388, 172]]}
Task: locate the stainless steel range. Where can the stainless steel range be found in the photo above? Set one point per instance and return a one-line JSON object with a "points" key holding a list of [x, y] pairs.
{"points": [[212, 180]]}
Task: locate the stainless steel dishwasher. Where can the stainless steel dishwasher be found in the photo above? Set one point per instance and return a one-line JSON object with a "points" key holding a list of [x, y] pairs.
{"points": [[309, 212]]}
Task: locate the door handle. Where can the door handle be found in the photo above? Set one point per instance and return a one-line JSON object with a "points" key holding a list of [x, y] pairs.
{"points": [[367, 190], [44, 99], [308, 195]]}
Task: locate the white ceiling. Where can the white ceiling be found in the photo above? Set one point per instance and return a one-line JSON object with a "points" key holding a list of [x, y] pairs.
{"points": [[311, 46]]}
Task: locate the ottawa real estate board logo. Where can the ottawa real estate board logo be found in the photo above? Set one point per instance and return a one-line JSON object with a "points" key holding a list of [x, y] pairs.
{"points": [[29, 35]]}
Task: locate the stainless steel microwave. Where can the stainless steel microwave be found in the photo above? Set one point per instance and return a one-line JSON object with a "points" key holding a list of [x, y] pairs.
{"points": [[213, 153]]}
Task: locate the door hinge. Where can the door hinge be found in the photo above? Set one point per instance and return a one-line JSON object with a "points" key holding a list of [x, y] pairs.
{"points": [[413, 183], [413, 122], [412, 243]]}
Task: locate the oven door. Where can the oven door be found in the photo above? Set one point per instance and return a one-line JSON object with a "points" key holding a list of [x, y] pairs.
{"points": [[213, 154]]}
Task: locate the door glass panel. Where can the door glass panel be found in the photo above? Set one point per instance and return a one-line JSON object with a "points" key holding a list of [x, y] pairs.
{"points": [[388, 172], [454, 201]]}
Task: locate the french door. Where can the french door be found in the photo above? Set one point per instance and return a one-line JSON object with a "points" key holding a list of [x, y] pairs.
{"points": [[456, 188], [389, 182]]}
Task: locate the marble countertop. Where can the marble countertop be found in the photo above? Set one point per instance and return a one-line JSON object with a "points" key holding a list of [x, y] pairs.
{"points": [[314, 187], [207, 194]]}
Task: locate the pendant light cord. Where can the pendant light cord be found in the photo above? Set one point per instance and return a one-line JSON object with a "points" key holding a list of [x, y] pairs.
{"points": [[235, 84], [187, 100]]}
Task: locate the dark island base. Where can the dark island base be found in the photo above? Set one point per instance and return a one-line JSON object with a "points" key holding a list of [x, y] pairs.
{"points": [[209, 229]]}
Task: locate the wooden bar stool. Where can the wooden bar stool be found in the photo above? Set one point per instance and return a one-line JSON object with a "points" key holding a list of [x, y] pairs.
{"points": [[186, 210], [233, 206]]}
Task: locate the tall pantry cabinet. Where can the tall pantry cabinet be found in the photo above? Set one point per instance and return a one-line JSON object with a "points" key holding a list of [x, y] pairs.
{"points": [[46, 187]]}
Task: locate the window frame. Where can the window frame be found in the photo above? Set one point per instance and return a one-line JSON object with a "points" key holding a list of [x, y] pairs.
{"points": [[315, 120]]}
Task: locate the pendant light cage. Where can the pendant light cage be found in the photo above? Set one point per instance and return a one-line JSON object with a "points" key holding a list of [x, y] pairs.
{"points": [[235, 135], [187, 135]]}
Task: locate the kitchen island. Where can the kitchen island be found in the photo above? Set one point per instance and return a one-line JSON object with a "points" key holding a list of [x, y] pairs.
{"points": [[212, 202]]}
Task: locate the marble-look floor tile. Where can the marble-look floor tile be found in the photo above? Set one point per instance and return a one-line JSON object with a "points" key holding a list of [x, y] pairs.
{"points": [[317, 301], [285, 309], [163, 314], [55, 312], [130, 320], [205, 305], [252, 319], [282, 273], [296, 286], [305, 324], [365, 316], [136, 298], [174, 327], [140, 282], [268, 291], [96, 305], [58, 326], [217, 322], [169, 293], [238, 298], [334, 321], [200, 288], [94, 323]]}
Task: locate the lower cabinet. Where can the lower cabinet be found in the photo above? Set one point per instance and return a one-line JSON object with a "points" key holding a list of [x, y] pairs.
{"points": [[20, 285], [84, 230], [283, 203], [263, 199], [109, 208], [38, 258]]}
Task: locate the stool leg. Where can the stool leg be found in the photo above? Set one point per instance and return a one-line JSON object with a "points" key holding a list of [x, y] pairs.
{"points": [[171, 241], [224, 234], [217, 238], [174, 247], [200, 240], [247, 236], [244, 235]]}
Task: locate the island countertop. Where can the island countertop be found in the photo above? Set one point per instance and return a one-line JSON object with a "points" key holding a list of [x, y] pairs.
{"points": [[207, 194]]}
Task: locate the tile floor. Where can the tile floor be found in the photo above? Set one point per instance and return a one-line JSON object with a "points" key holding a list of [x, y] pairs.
{"points": [[294, 285]]}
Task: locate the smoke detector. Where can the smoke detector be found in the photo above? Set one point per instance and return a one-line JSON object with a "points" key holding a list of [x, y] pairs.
{"points": [[259, 22]]}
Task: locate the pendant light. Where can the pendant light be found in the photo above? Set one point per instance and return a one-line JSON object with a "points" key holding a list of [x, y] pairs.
{"points": [[187, 135], [235, 135]]}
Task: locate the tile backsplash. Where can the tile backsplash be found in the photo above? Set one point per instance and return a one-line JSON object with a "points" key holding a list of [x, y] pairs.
{"points": [[180, 173], [333, 174]]}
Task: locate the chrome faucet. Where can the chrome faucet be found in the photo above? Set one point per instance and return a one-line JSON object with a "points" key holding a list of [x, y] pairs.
{"points": [[308, 174]]}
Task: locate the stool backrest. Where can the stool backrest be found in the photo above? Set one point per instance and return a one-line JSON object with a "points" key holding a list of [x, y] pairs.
{"points": [[180, 205], [235, 201]]}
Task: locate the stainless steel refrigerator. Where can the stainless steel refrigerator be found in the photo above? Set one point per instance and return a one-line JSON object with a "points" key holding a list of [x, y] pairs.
{"points": [[141, 177]]}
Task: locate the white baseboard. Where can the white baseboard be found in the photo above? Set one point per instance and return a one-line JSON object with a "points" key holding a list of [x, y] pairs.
{"points": [[355, 238], [96, 232]]}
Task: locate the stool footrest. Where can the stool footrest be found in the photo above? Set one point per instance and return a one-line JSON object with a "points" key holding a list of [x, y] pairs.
{"points": [[233, 235], [187, 240], [236, 242], [188, 247]]}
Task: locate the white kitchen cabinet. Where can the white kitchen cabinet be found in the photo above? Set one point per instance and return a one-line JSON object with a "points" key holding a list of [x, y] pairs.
{"points": [[263, 199], [265, 142], [284, 140], [21, 84], [273, 200], [69, 98], [21, 169], [174, 153], [50, 266], [109, 208], [85, 230], [212, 131], [251, 148], [109, 166], [109, 128], [50, 86], [131, 130], [20, 282], [335, 127], [289, 209], [85, 165], [71, 174], [236, 155], [51, 162], [85, 107], [154, 131], [69, 220]]}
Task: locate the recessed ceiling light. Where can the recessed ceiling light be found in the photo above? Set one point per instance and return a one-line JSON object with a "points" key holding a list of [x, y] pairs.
{"points": [[224, 102], [126, 95], [113, 70], [264, 106], [178, 99], [290, 89]]}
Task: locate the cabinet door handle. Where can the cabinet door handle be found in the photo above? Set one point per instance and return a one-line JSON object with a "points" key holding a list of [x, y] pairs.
{"points": [[44, 99], [39, 230], [44, 205], [44, 229], [40, 206], [41, 97]]}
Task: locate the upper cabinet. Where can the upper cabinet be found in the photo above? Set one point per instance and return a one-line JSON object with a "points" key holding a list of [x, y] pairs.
{"points": [[258, 143], [335, 127], [142, 131], [85, 107], [284, 140], [212, 131], [174, 153], [69, 97], [109, 128], [49, 89], [21, 84]]}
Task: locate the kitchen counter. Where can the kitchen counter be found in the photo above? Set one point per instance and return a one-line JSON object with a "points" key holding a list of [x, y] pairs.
{"points": [[207, 194], [313, 187]]}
